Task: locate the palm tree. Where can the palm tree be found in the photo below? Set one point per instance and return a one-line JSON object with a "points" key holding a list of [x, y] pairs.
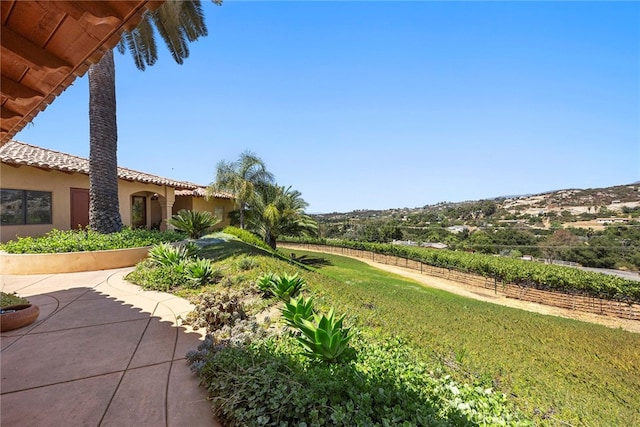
{"points": [[277, 211], [241, 178], [178, 23]]}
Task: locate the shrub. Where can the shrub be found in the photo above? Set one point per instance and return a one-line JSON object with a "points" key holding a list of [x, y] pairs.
{"points": [[247, 237], [157, 277], [57, 241], [195, 223], [269, 384]]}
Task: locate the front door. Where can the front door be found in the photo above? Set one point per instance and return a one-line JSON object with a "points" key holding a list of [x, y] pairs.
{"points": [[79, 207], [138, 212]]}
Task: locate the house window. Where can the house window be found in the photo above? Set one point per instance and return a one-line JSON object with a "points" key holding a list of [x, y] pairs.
{"points": [[20, 207], [219, 213]]}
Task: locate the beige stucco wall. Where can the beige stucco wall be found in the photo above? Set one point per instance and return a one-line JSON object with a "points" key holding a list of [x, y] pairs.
{"points": [[59, 184], [71, 261]]}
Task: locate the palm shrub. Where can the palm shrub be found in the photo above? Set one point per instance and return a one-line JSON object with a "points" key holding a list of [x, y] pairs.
{"points": [[195, 223]]}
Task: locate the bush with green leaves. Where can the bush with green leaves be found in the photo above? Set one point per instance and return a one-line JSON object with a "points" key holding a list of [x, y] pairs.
{"points": [[195, 223], [247, 237], [150, 275], [169, 266], [58, 241], [269, 383], [284, 286]]}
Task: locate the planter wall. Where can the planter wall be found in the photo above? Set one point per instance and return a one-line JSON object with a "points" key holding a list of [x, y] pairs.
{"points": [[69, 262]]}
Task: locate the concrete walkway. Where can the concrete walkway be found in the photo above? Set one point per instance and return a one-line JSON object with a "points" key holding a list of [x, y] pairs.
{"points": [[102, 353]]}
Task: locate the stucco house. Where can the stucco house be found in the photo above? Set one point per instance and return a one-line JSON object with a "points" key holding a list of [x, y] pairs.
{"points": [[42, 189]]}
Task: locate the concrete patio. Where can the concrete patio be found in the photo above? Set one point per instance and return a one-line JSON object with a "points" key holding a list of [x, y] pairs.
{"points": [[103, 352]]}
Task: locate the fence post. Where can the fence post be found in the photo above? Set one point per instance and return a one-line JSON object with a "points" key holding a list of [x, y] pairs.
{"points": [[495, 285]]}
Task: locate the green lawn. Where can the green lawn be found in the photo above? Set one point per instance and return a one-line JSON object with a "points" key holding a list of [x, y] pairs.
{"points": [[559, 369]]}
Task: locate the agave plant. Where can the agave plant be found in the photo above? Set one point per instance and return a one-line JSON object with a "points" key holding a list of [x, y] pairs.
{"points": [[284, 287], [166, 254], [201, 271], [295, 310], [264, 283], [195, 223], [325, 338], [287, 286], [190, 250]]}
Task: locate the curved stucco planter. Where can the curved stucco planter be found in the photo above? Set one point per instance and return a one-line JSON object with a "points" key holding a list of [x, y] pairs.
{"points": [[69, 262]]}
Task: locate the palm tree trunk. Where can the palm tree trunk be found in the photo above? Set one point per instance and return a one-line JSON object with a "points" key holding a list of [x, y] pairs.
{"points": [[104, 211]]}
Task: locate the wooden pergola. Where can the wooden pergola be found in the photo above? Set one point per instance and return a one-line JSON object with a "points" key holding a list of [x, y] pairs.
{"points": [[47, 44]]}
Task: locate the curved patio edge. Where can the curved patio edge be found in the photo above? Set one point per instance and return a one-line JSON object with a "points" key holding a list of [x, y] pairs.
{"points": [[71, 262]]}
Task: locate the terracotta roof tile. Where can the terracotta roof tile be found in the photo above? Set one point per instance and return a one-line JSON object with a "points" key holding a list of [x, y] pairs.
{"points": [[202, 192], [19, 153]]}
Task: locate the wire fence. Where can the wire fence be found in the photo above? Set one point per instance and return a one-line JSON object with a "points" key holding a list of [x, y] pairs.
{"points": [[572, 301]]}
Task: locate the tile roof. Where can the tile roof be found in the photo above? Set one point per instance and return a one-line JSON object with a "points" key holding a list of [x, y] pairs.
{"points": [[19, 153], [46, 45], [202, 192]]}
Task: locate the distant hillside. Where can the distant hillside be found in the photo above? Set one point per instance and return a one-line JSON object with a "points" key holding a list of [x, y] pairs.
{"points": [[574, 201]]}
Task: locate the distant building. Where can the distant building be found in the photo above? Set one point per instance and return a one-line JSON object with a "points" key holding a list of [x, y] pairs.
{"points": [[404, 243], [434, 245], [612, 220], [455, 229]]}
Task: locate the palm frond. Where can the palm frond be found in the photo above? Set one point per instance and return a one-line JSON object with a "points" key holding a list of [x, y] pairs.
{"points": [[178, 22]]}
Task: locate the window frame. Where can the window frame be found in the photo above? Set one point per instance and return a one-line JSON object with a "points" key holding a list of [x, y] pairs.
{"points": [[25, 207]]}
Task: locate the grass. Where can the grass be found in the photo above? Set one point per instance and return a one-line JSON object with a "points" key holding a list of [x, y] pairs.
{"points": [[554, 368]]}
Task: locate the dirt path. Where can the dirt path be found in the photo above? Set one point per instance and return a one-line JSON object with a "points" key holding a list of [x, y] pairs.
{"points": [[488, 296]]}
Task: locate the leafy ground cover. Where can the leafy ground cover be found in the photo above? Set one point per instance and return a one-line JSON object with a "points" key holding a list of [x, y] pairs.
{"points": [[553, 368], [57, 241]]}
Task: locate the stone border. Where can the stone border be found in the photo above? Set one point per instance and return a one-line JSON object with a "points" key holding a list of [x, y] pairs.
{"points": [[71, 262]]}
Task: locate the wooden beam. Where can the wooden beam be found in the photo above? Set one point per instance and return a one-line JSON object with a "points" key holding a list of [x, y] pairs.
{"points": [[36, 57], [14, 90]]}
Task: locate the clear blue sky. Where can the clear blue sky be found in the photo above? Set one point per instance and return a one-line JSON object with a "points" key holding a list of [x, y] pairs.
{"points": [[373, 105]]}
